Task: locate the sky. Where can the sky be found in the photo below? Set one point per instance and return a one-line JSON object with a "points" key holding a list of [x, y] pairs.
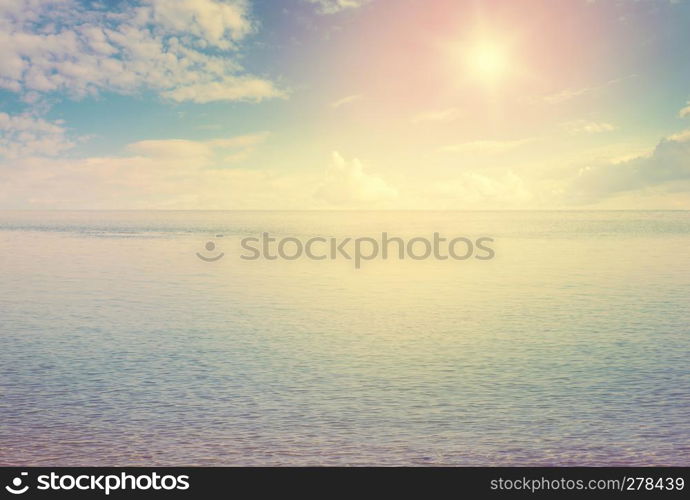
{"points": [[345, 104]]}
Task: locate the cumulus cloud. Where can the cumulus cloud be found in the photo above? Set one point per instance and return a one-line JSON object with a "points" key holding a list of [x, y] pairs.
{"points": [[186, 175], [666, 165], [346, 183], [25, 135], [334, 6], [186, 50], [215, 22]]}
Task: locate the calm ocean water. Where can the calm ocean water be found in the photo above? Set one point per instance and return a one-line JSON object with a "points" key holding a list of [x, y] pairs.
{"points": [[120, 347]]}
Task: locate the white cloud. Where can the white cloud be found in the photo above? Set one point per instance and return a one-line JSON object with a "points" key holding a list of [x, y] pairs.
{"points": [[685, 112], [667, 165], [566, 95], [346, 100], [215, 22], [442, 116], [185, 174], [137, 182], [156, 174], [473, 188], [334, 6], [214, 151], [171, 148], [183, 49], [26, 135], [682, 136], [228, 89], [588, 127], [346, 183], [572, 93]]}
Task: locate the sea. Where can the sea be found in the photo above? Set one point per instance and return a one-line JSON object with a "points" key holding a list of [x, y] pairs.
{"points": [[121, 346]]}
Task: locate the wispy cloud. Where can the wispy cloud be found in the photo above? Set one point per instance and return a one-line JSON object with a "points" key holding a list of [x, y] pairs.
{"points": [[588, 127], [214, 151], [442, 116], [685, 112], [683, 136], [230, 88], [335, 6], [572, 93], [567, 94], [490, 147], [346, 100], [172, 173], [472, 188]]}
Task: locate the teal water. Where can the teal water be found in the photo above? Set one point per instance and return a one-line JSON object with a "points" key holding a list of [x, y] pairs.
{"points": [[120, 347]]}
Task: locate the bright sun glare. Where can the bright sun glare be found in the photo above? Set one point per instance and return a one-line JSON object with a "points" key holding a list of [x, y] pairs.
{"points": [[488, 61]]}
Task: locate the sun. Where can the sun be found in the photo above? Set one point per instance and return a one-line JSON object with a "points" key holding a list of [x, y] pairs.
{"points": [[483, 58], [488, 61]]}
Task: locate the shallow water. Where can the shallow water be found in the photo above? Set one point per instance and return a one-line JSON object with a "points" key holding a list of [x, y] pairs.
{"points": [[121, 347]]}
